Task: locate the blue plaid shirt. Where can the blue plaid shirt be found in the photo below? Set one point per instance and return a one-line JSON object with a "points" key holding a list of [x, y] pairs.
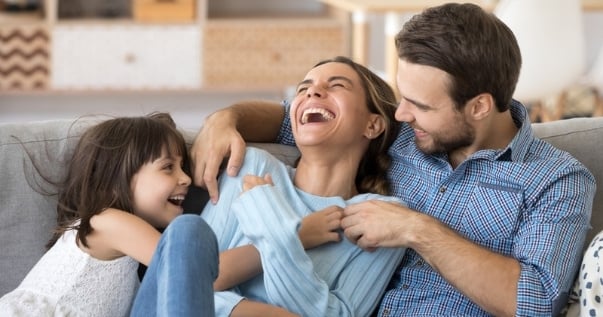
{"points": [[529, 201]]}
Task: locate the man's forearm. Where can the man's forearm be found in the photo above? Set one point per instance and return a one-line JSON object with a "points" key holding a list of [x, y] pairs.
{"points": [[488, 278], [257, 121]]}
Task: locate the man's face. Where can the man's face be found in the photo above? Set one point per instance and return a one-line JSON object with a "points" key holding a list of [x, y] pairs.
{"points": [[427, 107]]}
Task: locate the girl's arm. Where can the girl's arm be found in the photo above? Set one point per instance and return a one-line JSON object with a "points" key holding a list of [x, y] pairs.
{"points": [[117, 233], [237, 265]]}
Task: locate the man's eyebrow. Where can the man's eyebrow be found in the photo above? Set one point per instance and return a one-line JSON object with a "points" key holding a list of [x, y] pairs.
{"points": [[417, 103]]}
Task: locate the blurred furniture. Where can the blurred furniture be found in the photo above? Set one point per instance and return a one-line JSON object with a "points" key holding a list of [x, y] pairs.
{"points": [[179, 45], [396, 12], [548, 68]]}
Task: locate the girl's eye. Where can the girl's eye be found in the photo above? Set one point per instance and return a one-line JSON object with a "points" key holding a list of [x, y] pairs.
{"points": [[169, 166]]}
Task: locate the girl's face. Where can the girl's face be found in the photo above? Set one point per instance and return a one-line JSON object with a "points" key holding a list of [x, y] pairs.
{"points": [[159, 188], [330, 106]]}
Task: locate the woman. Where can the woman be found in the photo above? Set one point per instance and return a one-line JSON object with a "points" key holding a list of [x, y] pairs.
{"points": [[343, 123]]}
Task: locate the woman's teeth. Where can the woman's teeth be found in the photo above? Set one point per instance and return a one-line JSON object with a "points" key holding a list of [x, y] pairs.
{"points": [[316, 115]]}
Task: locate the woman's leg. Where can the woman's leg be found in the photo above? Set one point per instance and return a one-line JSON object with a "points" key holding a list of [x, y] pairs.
{"points": [[179, 280]]}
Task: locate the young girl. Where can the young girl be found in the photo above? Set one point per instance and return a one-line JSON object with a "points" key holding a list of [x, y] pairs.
{"points": [[125, 179], [343, 122]]}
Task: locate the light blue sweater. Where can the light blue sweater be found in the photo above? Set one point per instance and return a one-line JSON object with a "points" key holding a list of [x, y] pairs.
{"points": [[335, 279]]}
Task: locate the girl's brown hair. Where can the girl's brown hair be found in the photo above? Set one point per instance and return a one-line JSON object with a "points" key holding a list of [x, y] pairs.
{"points": [[104, 161], [380, 99]]}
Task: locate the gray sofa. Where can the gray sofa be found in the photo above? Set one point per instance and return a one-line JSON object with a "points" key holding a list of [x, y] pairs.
{"points": [[27, 213]]}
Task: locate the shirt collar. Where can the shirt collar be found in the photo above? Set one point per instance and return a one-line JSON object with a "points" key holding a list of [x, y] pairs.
{"points": [[519, 146]]}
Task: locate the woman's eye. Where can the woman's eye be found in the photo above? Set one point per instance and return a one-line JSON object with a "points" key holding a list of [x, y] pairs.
{"points": [[337, 85]]}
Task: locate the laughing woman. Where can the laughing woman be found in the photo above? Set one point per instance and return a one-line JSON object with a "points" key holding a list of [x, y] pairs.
{"points": [[343, 124]]}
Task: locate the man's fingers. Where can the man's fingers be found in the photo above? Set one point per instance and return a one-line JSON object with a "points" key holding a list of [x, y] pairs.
{"points": [[237, 155]]}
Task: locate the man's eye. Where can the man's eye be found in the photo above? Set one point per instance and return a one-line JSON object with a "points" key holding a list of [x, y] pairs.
{"points": [[301, 90]]}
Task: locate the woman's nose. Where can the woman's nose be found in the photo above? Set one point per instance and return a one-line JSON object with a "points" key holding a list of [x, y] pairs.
{"points": [[315, 91]]}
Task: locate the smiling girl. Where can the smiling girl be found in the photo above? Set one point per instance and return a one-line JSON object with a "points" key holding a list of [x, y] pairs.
{"points": [[124, 181]]}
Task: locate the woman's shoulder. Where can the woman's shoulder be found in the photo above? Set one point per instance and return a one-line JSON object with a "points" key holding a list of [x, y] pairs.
{"points": [[256, 158]]}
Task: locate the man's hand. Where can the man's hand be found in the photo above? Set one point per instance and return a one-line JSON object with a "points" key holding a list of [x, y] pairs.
{"points": [[321, 227], [376, 223], [217, 140]]}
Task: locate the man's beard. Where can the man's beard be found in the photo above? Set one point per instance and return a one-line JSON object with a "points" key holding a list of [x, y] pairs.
{"points": [[457, 137]]}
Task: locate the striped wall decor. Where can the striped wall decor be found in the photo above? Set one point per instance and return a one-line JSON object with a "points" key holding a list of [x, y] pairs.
{"points": [[24, 58]]}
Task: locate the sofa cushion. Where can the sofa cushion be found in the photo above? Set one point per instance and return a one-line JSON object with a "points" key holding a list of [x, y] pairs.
{"points": [[28, 213], [27, 216], [581, 137]]}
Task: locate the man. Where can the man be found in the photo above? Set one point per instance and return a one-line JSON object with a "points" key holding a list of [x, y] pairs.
{"points": [[496, 219]]}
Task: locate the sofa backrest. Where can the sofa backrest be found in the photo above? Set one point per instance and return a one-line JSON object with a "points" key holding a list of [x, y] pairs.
{"points": [[27, 216], [583, 138]]}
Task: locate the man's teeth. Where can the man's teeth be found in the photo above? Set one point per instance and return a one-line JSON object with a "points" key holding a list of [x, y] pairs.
{"points": [[312, 113]]}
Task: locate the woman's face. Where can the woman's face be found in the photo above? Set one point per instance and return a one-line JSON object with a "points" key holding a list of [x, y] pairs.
{"points": [[329, 108]]}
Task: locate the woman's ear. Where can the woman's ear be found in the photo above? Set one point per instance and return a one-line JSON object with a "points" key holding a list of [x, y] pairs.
{"points": [[375, 126]]}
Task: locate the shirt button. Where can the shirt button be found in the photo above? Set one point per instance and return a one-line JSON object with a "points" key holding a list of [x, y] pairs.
{"points": [[405, 286], [386, 312], [443, 189], [420, 263]]}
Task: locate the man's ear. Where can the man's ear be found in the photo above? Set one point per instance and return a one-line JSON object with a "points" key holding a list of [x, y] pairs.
{"points": [[481, 106], [375, 126]]}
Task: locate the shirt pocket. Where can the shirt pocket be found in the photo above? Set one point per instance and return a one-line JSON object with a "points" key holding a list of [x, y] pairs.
{"points": [[493, 211]]}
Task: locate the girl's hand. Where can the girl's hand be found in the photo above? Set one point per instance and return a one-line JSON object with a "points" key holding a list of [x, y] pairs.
{"points": [[321, 227], [251, 181]]}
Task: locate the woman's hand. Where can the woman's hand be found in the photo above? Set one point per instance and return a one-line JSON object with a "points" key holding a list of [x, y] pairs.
{"points": [[321, 227]]}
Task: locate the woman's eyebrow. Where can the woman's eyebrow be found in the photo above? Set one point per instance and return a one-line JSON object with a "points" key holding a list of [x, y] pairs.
{"points": [[332, 78]]}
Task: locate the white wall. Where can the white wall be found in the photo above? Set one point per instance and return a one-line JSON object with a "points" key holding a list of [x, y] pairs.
{"points": [[189, 108]]}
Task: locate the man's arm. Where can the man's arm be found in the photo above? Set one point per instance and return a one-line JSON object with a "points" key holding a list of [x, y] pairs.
{"points": [[488, 278], [224, 134]]}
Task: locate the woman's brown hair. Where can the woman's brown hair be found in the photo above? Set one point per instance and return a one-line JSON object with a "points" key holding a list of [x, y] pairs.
{"points": [[380, 99]]}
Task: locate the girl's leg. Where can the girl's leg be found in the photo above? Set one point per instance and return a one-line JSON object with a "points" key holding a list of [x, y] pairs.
{"points": [[179, 280]]}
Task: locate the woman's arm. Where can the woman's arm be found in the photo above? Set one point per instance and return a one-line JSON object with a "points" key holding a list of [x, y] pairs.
{"points": [[293, 280], [237, 265], [247, 308]]}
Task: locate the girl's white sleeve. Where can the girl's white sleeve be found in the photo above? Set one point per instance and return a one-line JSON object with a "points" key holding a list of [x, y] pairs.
{"points": [[267, 219]]}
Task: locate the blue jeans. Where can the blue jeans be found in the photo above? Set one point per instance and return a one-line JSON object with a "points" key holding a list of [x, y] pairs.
{"points": [[179, 279]]}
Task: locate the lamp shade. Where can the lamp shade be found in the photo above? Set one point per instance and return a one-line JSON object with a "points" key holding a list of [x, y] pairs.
{"points": [[551, 38]]}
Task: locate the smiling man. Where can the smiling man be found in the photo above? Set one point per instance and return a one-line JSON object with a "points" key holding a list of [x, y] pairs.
{"points": [[496, 218]]}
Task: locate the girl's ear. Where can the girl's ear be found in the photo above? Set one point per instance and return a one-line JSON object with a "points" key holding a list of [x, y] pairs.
{"points": [[375, 126]]}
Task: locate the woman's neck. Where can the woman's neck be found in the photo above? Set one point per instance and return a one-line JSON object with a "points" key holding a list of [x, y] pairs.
{"points": [[326, 176]]}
